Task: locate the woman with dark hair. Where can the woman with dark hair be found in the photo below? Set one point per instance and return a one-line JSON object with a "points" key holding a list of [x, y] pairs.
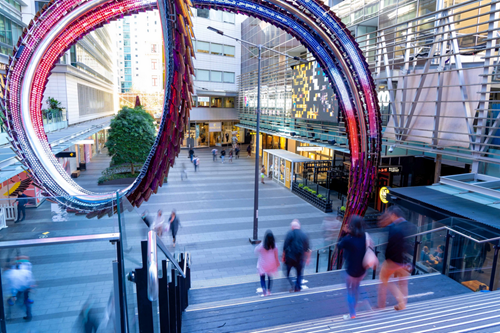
{"points": [[354, 246], [268, 261]]}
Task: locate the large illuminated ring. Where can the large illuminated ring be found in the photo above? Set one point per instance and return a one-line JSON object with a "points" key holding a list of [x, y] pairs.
{"points": [[65, 21]]}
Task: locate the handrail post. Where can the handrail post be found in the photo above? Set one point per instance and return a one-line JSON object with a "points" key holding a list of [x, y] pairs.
{"points": [[494, 267], [330, 253], [317, 260], [446, 250], [152, 267], [415, 253]]}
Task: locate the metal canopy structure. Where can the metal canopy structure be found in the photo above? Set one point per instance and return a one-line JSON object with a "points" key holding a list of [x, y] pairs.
{"points": [[475, 183]]}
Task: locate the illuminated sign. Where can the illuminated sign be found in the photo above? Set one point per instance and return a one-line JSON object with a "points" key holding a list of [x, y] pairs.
{"points": [[215, 127], [309, 148], [384, 191], [203, 99], [390, 168]]}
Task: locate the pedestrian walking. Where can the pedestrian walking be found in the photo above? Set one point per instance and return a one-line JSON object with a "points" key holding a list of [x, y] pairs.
{"points": [[394, 264], [20, 282], [191, 154], [296, 253], [90, 316], [214, 154], [262, 174], [184, 173], [174, 225], [231, 156], [159, 223], [237, 151], [21, 206], [249, 151], [147, 219], [196, 162], [222, 154], [354, 246], [268, 261]]}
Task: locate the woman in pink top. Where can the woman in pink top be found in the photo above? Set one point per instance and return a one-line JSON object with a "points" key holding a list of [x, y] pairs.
{"points": [[268, 261]]}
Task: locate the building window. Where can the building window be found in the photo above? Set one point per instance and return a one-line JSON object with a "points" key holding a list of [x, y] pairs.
{"points": [[216, 49], [216, 15], [205, 13], [128, 70], [229, 50], [229, 102], [202, 75], [154, 48], [216, 102], [154, 80], [228, 77], [154, 63], [215, 76], [228, 17], [203, 47], [203, 101]]}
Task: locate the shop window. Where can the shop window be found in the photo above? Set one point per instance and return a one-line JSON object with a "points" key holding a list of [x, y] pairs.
{"points": [[203, 101], [216, 76], [216, 102], [202, 75], [229, 102], [229, 51], [216, 49]]}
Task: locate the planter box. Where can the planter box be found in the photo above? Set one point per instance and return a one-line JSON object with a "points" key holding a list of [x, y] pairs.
{"points": [[121, 181], [325, 206]]}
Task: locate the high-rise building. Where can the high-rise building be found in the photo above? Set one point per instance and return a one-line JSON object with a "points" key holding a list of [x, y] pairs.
{"points": [[217, 65]]}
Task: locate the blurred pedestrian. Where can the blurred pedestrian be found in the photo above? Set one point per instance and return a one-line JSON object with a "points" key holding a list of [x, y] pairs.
{"points": [[147, 219], [268, 261], [262, 174], [159, 224], [184, 173], [296, 253], [249, 151], [354, 246], [222, 154], [394, 264], [196, 162], [231, 156], [174, 225], [330, 227], [214, 154], [191, 154], [21, 206], [19, 279], [89, 316], [237, 151]]}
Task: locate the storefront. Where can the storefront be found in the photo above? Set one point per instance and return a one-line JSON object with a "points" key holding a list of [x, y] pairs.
{"points": [[280, 165], [213, 133]]}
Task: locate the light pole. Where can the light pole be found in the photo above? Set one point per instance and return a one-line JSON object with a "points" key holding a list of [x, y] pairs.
{"points": [[255, 239]]}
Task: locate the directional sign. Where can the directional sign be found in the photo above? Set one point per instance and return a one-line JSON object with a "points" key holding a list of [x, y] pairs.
{"points": [[66, 154]]}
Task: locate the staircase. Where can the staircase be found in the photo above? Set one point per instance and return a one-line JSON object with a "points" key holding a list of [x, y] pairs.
{"points": [[436, 303]]}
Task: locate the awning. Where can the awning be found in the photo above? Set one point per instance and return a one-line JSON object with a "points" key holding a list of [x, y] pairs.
{"points": [[287, 155]]}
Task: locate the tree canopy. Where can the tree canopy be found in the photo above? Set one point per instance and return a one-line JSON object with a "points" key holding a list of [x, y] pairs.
{"points": [[131, 136]]}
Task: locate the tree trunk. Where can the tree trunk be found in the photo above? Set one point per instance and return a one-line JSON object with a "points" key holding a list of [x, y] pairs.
{"points": [[132, 168]]}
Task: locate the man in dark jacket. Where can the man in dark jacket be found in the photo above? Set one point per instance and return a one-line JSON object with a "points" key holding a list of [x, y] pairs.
{"points": [[21, 206], [296, 253], [394, 264], [191, 153]]}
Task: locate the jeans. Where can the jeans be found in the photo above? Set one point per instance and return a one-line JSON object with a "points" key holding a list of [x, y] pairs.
{"points": [[191, 158], [21, 209], [222, 157], [195, 167], [298, 265], [263, 283], [214, 157], [352, 285]]}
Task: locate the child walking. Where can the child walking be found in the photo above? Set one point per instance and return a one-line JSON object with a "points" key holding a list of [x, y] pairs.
{"points": [[268, 262]]}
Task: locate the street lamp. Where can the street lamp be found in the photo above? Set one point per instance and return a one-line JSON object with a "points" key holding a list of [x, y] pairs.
{"points": [[255, 239]]}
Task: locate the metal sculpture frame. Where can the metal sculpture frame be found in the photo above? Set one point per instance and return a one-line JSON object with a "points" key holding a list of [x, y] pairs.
{"points": [[60, 24]]}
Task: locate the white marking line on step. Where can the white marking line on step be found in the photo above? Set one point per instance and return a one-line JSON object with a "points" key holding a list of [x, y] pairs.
{"points": [[461, 323], [376, 322], [421, 295], [287, 295], [477, 327]]}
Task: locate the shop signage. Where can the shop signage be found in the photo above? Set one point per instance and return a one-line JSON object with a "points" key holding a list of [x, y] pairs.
{"points": [[390, 168], [384, 191], [309, 148], [66, 154], [203, 99], [215, 127]]}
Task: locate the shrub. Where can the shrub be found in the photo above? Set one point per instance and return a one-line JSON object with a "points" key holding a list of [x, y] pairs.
{"points": [[320, 196], [301, 185], [342, 209], [306, 188], [313, 192], [109, 177]]}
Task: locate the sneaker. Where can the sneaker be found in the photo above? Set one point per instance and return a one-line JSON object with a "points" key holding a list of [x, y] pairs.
{"points": [[398, 308], [348, 317], [27, 318], [30, 301], [268, 293]]}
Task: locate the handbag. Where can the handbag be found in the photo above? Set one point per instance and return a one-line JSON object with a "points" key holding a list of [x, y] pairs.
{"points": [[370, 260]]}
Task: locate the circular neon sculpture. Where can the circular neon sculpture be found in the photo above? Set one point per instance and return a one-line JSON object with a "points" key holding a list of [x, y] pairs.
{"points": [[63, 22]]}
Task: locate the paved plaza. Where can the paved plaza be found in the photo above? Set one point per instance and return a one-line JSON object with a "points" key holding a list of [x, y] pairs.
{"points": [[215, 207]]}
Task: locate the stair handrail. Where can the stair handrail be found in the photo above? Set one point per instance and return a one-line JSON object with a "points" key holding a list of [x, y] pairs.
{"points": [[170, 257]]}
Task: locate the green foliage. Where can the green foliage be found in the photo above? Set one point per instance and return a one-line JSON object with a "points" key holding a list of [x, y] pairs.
{"points": [[320, 196], [54, 108], [313, 192], [109, 177], [342, 209], [301, 185], [131, 136], [306, 188]]}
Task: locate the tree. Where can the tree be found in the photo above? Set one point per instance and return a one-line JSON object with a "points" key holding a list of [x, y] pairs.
{"points": [[131, 136]]}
